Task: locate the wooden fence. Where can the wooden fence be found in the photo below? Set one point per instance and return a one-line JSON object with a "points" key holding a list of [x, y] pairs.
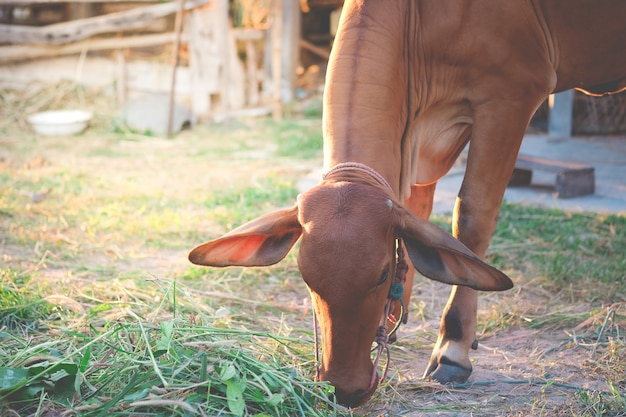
{"points": [[218, 80]]}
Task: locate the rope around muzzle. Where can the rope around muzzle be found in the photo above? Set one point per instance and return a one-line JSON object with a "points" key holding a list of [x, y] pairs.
{"points": [[396, 291]]}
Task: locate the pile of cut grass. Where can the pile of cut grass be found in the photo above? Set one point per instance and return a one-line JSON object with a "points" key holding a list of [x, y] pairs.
{"points": [[167, 359]]}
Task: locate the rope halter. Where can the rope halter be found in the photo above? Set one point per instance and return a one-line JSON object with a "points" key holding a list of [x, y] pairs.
{"points": [[396, 291]]}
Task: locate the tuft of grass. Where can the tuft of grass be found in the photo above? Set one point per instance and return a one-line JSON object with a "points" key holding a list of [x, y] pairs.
{"points": [[599, 404], [21, 306]]}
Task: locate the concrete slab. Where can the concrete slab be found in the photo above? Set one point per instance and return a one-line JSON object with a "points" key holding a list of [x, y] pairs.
{"points": [[150, 113]]}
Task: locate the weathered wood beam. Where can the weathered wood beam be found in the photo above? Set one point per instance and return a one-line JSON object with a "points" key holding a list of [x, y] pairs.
{"points": [[31, 2], [23, 52], [317, 50], [248, 34], [76, 30], [20, 53]]}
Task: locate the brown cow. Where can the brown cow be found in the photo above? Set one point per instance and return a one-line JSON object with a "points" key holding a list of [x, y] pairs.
{"points": [[409, 84]]}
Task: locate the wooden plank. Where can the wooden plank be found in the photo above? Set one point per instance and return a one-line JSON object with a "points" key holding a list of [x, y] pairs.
{"points": [[20, 53], [520, 177], [217, 73], [76, 30], [575, 183], [292, 30], [234, 78], [572, 179], [543, 164], [204, 60], [319, 51]]}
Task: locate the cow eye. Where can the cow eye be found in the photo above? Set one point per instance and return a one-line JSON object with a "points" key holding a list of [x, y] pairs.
{"points": [[383, 277]]}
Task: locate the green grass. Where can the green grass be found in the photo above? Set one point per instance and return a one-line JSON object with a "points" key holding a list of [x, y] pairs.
{"points": [[584, 250], [134, 347], [101, 315], [296, 141], [233, 206]]}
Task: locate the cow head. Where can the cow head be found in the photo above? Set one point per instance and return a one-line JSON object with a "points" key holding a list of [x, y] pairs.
{"points": [[347, 258]]}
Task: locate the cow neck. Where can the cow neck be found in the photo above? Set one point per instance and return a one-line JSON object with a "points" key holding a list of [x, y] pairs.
{"points": [[357, 167]]}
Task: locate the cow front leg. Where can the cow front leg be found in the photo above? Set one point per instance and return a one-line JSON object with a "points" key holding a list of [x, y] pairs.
{"points": [[457, 334], [491, 159], [450, 361]]}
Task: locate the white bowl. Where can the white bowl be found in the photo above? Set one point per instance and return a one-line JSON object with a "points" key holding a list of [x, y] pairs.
{"points": [[60, 122]]}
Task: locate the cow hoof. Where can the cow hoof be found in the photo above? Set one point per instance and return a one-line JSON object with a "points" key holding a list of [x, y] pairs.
{"points": [[447, 371]]}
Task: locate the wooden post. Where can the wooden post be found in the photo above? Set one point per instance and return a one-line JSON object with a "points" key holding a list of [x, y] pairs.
{"points": [[292, 16], [561, 114], [80, 11], [178, 25], [277, 30], [121, 77], [208, 56], [251, 73]]}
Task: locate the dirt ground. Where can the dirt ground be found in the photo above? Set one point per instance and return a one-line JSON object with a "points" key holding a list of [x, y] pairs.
{"points": [[519, 369]]}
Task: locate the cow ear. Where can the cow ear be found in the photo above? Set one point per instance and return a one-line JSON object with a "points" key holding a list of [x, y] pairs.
{"points": [[260, 242], [439, 256]]}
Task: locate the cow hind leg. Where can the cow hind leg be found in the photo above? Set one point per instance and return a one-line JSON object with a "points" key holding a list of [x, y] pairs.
{"points": [[419, 203]]}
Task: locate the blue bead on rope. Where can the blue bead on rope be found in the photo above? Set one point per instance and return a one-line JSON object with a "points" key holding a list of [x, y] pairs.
{"points": [[396, 291]]}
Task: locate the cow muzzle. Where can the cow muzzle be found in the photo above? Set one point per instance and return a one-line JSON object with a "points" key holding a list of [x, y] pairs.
{"points": [[347, 393]]}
